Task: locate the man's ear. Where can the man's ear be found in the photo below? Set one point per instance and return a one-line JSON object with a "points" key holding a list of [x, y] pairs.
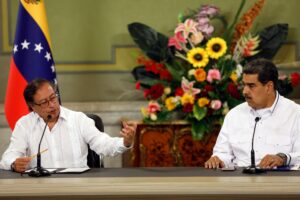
{"points": [[271, 86]]}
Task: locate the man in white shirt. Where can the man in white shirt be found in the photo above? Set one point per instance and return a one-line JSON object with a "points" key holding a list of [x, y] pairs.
{"points": [[66, 136], [277, 138]]}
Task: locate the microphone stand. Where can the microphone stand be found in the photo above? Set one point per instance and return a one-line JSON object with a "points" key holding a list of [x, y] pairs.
{"points": [[252, 169], [39, 171]]}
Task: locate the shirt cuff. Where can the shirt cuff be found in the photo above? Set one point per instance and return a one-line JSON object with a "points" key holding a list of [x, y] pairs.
{"points": [[122, 148], [227, 161]]}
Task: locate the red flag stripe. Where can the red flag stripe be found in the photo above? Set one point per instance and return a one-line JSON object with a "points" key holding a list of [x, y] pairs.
{"points": [[15, 105]]}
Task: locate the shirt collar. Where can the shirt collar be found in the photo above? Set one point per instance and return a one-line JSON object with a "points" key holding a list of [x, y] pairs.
{"points": [[268, 110], [62, 115]]}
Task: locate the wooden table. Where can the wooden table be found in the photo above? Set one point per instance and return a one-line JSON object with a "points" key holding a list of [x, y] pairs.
{"points": [[168, 144], [152, 183]]}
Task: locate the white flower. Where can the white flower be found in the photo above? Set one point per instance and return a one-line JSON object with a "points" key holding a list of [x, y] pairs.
{"points": [[191, 72], [153, 116], [239, 70]]}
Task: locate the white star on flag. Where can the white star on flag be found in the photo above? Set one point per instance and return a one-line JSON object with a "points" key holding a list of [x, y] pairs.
{"points": [[38, 47], [15, 48], [48, 56], [53, 68], [25, 44]]}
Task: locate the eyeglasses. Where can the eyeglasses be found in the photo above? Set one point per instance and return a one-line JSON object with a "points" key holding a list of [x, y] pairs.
{"points": [[45, 103]]}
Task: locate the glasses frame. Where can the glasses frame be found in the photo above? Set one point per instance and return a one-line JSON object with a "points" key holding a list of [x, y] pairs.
{"points": [[45, 104]]}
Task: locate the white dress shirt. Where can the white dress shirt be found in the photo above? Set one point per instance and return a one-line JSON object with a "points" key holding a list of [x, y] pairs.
{"points": [[277, 131], [66, 142]]}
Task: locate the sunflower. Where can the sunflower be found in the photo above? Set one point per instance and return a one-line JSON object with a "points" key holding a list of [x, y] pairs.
{"points": [[198, 57], [216, 47]]}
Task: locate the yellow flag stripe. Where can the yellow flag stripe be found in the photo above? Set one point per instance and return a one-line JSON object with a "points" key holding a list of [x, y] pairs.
{"points": [[38, 13]]}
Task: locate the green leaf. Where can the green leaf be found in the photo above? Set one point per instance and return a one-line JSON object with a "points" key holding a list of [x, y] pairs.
{"points": [[222, 19], [228, 34], [198, 130], [151, 42], [199, 112], [175, 70], [150, 82], [226, 66]]}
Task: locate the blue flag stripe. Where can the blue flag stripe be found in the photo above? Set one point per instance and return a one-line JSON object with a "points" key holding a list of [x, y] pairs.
{"points": [[32, 53]]}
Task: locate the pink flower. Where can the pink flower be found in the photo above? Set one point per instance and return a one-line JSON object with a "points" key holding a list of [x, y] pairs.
{"points": [[213, 74], [203, 21], [177, 40], [206, 29], [153, 107], [188, 87], [209, 10], [216, 104], [189, 26]]}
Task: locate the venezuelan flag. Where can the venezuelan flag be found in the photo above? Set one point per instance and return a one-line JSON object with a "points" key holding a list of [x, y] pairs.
{"points": [[31, 57]]}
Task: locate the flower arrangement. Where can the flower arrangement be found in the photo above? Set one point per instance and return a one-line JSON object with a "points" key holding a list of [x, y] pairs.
{"points": [[196, 73]]}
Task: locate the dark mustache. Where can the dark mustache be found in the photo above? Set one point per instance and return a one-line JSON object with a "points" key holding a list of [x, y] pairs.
{"points": [[247, 97]]}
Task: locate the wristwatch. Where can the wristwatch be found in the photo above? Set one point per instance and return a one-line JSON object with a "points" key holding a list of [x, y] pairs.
{"points": [[283, 157]]}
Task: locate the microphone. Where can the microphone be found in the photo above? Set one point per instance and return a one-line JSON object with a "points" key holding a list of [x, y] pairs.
{"points": [[39, 170], [252, 169]]}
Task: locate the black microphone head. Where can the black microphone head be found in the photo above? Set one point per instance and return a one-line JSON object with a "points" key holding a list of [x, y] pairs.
{"points": [[49, 117], [257, 119]]}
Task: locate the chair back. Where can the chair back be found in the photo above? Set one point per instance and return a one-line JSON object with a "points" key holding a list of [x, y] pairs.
{"points": [[93, 159]]}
